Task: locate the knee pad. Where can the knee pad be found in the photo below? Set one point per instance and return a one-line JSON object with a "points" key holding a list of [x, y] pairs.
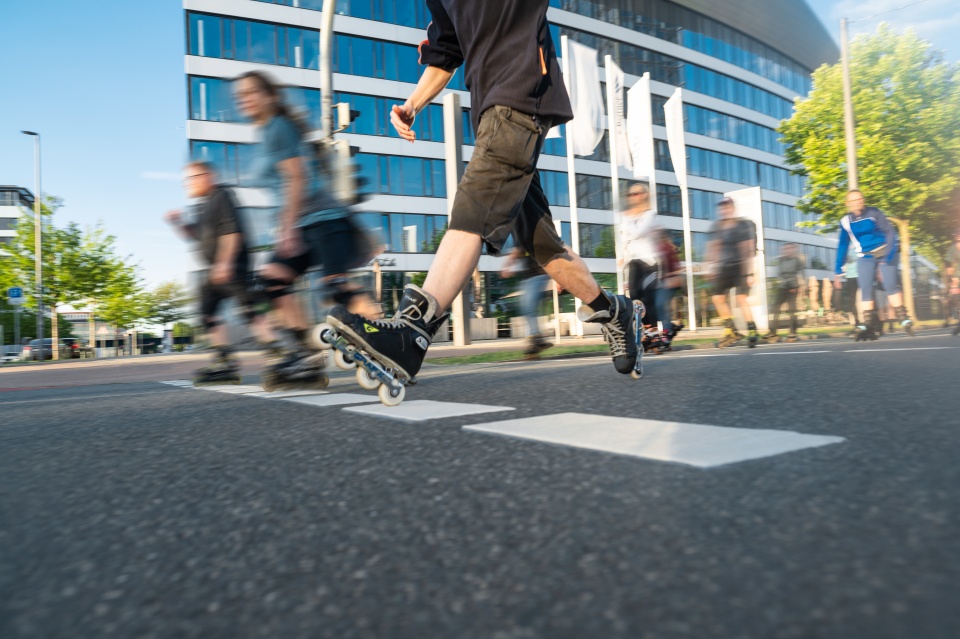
{"points": [[341, 291], [274, 289]]}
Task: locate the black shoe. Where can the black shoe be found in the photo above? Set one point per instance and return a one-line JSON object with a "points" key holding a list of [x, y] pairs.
{"points": [[400, 343], [618, 329]]}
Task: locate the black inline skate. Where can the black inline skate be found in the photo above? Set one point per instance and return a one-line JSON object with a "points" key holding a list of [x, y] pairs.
{"points": [[222, 369], [905, 320], [387, 354], [296, 371], [536, 345], [731, 336], [866, 331], [620, 328]]}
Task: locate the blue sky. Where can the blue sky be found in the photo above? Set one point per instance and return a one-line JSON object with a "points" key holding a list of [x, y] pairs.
{"points": [[104, 85]]}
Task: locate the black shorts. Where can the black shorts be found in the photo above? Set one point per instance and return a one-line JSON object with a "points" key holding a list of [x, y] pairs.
{"points": [[500, 192], [335, 245], [730, 276], [213, 295]]}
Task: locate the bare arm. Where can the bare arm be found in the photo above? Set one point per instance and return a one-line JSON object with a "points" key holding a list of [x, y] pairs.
{"points": [[184, 230], [432, 82], [221, 271]]}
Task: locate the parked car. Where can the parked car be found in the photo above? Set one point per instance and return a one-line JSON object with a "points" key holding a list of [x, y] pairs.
{"points": [[74, 348], [31, 351]]}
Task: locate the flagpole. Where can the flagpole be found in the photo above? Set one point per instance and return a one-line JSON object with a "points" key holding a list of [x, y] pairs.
{"points": [[571, 174], [673, 112], [614, 168]]}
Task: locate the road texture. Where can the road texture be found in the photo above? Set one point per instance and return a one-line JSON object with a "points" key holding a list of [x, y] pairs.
{"points": [[148, 510]]}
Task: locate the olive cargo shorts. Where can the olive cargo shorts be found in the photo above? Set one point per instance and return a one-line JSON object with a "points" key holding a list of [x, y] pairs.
{"points": [[500, 192]]}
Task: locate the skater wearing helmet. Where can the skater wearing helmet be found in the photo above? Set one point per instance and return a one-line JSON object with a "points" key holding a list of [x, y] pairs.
{"points": [[517, 95], [730, 252], [867, 229], [313, 229], [216, 227]]}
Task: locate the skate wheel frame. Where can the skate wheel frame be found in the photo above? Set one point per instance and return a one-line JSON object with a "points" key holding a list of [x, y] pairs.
{"points": [[391, 396], [639, 311], [370, 374]]}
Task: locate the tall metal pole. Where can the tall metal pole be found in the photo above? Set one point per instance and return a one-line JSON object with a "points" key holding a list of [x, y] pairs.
{"points": [[453, 153], [853, 176], [37, 255], [326, 69]]}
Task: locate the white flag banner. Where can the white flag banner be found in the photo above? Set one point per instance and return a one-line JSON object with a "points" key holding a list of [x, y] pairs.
{"points": [[673, 112], [583, 83], [640, 131], [618, 122]]}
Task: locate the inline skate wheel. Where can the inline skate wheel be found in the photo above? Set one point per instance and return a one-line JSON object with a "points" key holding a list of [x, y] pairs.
{"points": [[391, 396], [365, 381], [636, 374], [343, 361], [322, 336]]}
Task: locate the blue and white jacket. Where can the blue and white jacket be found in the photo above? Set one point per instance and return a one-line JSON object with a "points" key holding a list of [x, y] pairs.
{"points": [[869, 233]]}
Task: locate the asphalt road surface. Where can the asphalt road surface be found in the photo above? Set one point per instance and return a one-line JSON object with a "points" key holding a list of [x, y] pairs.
{"points": [[145, 509]]}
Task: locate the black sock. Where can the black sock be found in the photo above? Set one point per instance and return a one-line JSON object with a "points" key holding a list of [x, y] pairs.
{"points": [[224, 351], [602, 303], [301, 335]]}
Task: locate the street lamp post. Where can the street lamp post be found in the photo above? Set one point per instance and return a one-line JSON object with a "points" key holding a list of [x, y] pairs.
{"points": [[37, 262]]}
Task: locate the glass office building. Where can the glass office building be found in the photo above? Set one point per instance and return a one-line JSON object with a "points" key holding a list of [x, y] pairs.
{"points": [[741, 64], [13, 201]]}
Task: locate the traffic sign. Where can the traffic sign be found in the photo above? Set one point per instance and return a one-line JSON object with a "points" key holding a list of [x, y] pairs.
{"points": [[103, 330], [15, 295]]}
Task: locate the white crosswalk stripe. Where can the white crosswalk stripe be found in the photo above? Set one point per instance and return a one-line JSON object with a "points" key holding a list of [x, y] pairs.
{"points": [[691, 444], [424, 410]]}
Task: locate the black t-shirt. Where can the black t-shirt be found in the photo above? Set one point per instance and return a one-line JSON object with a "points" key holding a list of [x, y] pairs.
{"points": [[508, 51], [218, 216], [730, 235]]}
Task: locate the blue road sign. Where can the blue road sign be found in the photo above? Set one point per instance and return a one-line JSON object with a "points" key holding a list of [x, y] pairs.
{"points": [[15, 295]]}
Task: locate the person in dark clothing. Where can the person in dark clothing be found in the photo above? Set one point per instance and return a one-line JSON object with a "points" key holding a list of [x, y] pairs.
{"points": [[791, 275], [730, 252], [517, 95], [218, 230]]}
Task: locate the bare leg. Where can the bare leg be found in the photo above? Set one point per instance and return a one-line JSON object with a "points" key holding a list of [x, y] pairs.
{"points": [[219, 335], [570, 272], [457, 256], [720, 303], [292, 312], [745, 308]]}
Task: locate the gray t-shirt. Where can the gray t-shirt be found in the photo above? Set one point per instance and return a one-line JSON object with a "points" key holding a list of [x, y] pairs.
{"points": [[281, 140]]}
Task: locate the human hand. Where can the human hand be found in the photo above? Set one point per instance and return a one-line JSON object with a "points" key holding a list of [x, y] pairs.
{"points": [[402, 118], [174, 217], [837, 284], [290, 244], [220, 273]]}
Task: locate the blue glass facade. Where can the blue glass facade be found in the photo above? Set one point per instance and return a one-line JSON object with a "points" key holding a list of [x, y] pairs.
{"points": [[235, 38]]}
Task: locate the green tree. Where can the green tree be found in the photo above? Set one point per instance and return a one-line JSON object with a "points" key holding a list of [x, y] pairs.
{"points": [[123, 303], [907, 110], [168, 303]]}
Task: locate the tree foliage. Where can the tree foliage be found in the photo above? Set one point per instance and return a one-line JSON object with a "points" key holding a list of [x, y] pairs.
{"points": [[168, 303], [907, 111]]}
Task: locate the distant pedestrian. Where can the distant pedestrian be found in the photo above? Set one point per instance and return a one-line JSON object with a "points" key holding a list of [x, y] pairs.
{"points": [[867, 230], [671, 281], [731, 249], [790, 266], [533, 285], [953, 282], [639, 229]]}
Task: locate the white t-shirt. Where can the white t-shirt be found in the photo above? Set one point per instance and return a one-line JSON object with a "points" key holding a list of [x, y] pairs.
{"points": [[637, 237]]}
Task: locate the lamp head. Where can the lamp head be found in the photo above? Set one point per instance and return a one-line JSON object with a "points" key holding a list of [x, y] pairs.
{"points": [[29, 133]]}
